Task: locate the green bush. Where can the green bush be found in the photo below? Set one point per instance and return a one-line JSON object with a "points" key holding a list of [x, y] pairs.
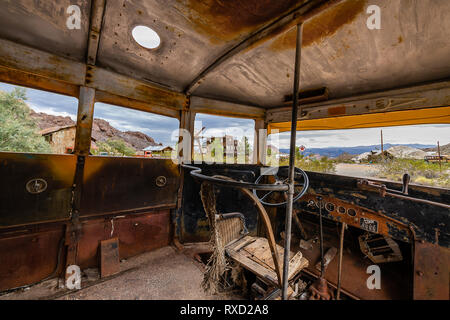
{"points": [[115, 147], [323, 164], [18, 130]]}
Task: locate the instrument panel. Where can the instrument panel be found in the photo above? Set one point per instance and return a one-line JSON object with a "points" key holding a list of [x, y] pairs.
{"points": [[356, 216]]}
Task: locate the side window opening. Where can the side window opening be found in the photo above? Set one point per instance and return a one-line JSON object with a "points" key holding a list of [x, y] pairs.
{"points": [[379, 153], [123, 132], [223, 139], [35, 121]]}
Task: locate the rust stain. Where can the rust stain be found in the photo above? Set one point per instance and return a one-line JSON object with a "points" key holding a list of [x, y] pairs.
{"points": [[62, 168], [321, 26], [336, 111], [400, 39], [224, 20]]}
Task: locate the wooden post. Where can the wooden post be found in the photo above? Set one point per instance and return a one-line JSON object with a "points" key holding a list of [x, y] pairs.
{"points": [[187, 123], [85, 118], [439, 157], [259, 142], [82, 147]]}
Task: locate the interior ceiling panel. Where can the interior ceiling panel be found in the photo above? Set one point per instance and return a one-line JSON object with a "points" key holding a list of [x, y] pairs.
{"points": [[193, 34], [341, 53], [42, 25]]}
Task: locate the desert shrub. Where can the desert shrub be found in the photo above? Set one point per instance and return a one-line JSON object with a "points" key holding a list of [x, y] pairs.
{"points": [[323, 164], [421, 172]]}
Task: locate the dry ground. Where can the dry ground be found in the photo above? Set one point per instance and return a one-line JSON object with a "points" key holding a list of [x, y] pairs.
{"points": [[161, 274]]}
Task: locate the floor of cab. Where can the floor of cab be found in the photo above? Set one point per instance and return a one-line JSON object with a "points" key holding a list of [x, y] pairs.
{"points": [[163, 274]]}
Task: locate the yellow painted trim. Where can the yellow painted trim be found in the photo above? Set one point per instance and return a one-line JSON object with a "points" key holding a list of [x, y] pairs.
{"points": [[439, 115]]}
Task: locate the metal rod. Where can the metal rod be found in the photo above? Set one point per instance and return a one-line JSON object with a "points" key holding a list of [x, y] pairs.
{"points": [[290, 195], [299, 225], [433, 203], [341, 249]]}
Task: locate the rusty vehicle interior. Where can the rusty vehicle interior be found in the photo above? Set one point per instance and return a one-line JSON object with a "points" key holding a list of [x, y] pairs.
{"points": [[288, 233]]}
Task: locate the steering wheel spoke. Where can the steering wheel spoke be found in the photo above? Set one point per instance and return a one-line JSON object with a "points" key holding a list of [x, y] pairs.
{"points": [[265, 196]]}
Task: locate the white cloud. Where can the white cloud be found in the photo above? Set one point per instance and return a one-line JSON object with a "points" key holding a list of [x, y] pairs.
{"points": [[417, 134], [51, 111]]}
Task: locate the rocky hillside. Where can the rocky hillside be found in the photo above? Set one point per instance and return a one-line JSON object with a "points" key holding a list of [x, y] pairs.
{"points": [[405, 152], [101, 130], [45, 121]]}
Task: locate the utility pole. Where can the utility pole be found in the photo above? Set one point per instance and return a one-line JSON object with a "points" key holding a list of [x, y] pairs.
{"points": [[439, 157]]}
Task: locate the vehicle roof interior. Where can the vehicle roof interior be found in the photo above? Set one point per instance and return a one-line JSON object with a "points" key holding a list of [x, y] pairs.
{"points": [[230, 58], [238, 52]]}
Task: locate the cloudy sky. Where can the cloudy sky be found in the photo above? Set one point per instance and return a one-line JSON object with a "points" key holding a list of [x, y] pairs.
{"points": [[419, 134], [162, 128]]}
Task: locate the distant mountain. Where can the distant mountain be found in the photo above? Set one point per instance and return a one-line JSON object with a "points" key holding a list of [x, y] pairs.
{"points": [[101, 130], [333, 152]]}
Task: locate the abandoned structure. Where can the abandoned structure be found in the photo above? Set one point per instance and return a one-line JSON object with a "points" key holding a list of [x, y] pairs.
{"points": [[292, 234], [62, 139], [153, 151]]}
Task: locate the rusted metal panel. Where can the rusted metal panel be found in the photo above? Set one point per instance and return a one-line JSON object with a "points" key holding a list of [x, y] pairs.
{"points": [[109, 257], [238, 21], [105, 97], [431, 271], [27, 258], [303, 11], [353, 215], [136, 233], [15, 56], [30, 254], [394, 283], [127, 183], [104, 80], [144, 233], [423, 218], [18, 205], [238, 52], [192, 31], [44, 70], [43, 24], [20, 78], [343, 55], [417, 97], [97, 10]]}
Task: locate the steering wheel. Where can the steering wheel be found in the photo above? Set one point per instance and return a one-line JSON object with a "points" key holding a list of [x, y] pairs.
{"points": [[280, 180], [280, 184]]}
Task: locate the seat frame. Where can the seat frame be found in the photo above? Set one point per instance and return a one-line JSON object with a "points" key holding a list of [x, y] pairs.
{"points": [[210, 210]]}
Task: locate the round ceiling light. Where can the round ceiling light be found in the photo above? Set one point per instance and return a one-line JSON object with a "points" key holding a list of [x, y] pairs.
{"points": [[146, 37]]}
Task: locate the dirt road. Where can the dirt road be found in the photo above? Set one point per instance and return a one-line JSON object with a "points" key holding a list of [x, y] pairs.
{"points": [[356, 170]]}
